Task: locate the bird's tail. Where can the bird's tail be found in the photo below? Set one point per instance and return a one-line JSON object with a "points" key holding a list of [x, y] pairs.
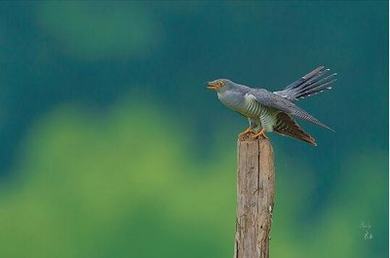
{"points": [[311, 84], [285, 125]]}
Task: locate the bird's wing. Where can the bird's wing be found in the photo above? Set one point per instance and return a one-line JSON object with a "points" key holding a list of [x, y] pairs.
{"points": [[272, 100], [285, 125]]}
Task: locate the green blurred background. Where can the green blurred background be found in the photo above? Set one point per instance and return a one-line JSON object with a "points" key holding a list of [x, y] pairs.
{"points": [[112, 147]]}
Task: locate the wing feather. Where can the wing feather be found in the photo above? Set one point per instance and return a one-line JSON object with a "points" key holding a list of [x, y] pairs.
{"points": [[275, 101], [285, 125]]}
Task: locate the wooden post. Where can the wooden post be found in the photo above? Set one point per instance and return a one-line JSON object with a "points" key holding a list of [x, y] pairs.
{"points": [[255, 198]]}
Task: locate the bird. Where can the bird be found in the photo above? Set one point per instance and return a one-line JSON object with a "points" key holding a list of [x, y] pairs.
{"points": [[275, 111]]}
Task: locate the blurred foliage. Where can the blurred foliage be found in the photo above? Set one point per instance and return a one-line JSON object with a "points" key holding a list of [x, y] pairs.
{"points": [[115, 187], [87, 172], [123, 30]]}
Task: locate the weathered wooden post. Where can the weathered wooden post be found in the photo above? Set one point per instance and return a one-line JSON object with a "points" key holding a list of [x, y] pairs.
{"points": [[255, 198]]}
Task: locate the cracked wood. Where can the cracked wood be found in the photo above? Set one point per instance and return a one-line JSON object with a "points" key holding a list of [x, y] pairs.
{"points": [[255, 198]]}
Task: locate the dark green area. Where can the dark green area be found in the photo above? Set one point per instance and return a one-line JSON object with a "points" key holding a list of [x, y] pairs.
{"points": [[112, 146]]}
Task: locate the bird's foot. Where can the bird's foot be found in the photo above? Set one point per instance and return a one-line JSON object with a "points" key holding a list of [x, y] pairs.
{"points": [[246, 133], [261, 133]]}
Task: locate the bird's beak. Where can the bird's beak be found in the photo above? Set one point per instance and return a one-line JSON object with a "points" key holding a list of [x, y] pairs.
{"points": [[212, 86]]}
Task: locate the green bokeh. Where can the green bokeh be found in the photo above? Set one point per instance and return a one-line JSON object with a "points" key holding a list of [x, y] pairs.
{"points": [[114, 187]]}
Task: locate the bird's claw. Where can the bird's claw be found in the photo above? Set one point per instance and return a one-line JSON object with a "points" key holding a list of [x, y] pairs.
{"points": [[261, 133], [245, 133]]}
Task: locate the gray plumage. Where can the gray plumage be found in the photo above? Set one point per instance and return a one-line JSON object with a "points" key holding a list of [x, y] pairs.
{"points": [[274, 111], [311, 84]]}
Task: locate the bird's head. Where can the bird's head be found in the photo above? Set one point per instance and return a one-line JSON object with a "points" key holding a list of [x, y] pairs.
{"points": [[220, 84]]}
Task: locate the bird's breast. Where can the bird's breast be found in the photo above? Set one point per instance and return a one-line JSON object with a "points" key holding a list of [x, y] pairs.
{"points": [[247, 105], [233, 100], [252, 107], [255, 110]]}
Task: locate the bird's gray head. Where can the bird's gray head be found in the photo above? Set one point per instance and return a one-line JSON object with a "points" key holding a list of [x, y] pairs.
{"points": [[220, 85]]}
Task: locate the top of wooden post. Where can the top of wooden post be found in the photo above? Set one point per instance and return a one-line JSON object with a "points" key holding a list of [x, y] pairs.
{"points": [[249, 138]]}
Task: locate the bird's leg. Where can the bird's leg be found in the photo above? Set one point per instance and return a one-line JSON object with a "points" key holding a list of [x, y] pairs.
{"points": [[250, 129], [261, 133]]}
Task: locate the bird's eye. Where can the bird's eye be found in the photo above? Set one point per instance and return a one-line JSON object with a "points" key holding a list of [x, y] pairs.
{"points": [[220, 83]]}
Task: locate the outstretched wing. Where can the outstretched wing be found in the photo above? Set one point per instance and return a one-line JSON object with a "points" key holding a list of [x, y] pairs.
{"points": [[272, 100], [285, 125]]}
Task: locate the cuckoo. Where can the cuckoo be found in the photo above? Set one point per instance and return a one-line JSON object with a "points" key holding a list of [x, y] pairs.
{"points": [[275, 111]]}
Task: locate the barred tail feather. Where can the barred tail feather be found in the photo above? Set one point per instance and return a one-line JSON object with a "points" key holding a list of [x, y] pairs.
{"points": [[311, 84], [285, 125]]}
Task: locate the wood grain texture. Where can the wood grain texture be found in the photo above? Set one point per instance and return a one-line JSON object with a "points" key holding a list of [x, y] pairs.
{"points": [[255, 198]]}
